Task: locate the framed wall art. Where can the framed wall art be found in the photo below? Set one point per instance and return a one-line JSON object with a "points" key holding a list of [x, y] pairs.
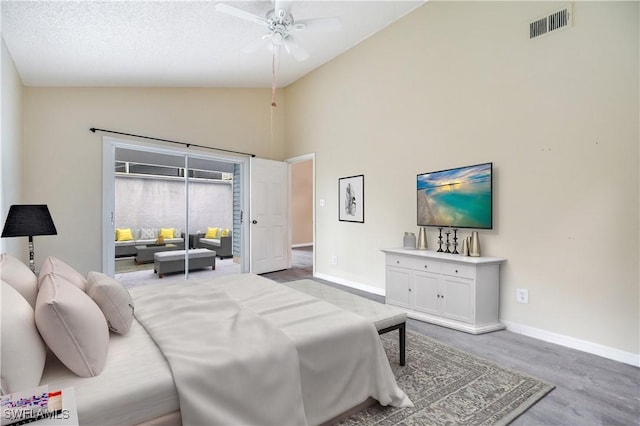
{"points": [[351, 199]]}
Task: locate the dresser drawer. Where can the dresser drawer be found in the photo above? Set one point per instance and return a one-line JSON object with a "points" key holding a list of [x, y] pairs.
{"points": [[414, 263], [458, 270]]}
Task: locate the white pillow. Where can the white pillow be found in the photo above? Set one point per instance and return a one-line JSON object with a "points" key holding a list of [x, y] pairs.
{"points": [[58, 267], [148, 234], [113, 299], [19, 276], [22, 351], [72, 325]]}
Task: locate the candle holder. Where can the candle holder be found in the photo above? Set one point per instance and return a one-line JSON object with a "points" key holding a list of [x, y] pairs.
{"points": [[447, 243], [455, 241], [440, 241]]}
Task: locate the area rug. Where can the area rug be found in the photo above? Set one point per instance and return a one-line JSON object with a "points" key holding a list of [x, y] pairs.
{"points": [[451, 387], [128, 264]]}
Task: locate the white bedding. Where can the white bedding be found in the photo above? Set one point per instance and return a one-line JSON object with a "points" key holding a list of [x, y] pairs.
{"points": [[136, 384], [246, 350]]}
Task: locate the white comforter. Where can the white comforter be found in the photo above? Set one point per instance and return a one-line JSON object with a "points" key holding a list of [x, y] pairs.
{"points": [[246, 350]]}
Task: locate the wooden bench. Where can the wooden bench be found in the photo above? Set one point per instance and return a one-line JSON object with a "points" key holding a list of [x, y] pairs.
{"points": [[173, 261], [385, 317]]}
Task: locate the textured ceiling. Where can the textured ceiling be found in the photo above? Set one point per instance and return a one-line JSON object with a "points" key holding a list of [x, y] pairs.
{"points": [[173, 43]]}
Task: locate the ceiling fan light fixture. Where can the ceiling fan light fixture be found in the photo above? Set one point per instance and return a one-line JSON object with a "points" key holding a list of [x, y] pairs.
{"points": [[281, 25], [277, 38]]}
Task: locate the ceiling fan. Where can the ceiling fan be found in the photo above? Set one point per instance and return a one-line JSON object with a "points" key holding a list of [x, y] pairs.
{"points": [[281, 26]]}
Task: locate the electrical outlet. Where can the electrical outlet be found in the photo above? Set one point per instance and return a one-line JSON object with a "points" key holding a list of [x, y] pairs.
{"points": [[522, 295], [334, 260]]}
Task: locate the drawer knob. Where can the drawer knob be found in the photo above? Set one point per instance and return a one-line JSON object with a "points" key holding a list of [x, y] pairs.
{"points": [[456, 271], [425, 266], [398, 262]]}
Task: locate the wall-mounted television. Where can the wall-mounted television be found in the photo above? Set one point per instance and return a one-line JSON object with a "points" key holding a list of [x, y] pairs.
{"points": [[459, 198]]}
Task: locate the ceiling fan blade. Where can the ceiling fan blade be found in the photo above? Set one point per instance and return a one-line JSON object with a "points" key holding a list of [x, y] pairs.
{"points": [[256, 45], [239, 13], [293, 48], [330, 25]]}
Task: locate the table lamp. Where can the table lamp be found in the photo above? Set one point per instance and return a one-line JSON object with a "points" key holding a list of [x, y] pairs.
{"points": [[28, 220]]}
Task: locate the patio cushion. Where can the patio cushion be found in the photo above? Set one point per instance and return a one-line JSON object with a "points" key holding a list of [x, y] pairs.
{"points": [[148, 234], [179, 254], [167, 232], [124, 234]]}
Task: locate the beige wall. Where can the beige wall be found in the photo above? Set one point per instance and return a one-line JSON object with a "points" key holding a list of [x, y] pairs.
{"points": [[64, 159], [302, 202], [458, 83], [450, 84], [10, 150]]}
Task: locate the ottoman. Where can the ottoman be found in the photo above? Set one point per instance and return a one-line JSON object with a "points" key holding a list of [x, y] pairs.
{"points": [[173, 261], [385, 317]]}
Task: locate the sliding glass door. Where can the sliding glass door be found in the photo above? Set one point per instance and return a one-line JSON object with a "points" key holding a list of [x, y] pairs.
{"points": [[210, 213], [168, 212]]}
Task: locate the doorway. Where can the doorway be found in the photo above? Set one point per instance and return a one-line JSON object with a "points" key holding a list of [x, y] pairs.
{"points": [[153, 190], [302, 211]]}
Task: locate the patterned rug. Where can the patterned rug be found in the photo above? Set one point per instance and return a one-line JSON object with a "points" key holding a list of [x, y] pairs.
{"points": [[128, 264], [451, 387]]}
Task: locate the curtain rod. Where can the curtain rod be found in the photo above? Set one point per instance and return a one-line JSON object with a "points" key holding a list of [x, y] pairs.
{"points": [[188, 145]]}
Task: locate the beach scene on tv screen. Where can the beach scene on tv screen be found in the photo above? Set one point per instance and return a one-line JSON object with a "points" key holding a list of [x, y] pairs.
{"points": [[460, 198]]}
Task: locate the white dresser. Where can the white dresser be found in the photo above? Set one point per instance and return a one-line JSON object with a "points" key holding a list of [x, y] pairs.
{"points": [[454, 291]]}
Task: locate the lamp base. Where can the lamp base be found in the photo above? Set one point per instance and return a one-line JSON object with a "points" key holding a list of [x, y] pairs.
{"points": [[32, 263]]}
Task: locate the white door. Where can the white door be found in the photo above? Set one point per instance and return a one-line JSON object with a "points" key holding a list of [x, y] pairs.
{"points": [[269, 220]]}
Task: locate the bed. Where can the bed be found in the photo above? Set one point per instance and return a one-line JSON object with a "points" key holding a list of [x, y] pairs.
{"points": [[238, 349]]}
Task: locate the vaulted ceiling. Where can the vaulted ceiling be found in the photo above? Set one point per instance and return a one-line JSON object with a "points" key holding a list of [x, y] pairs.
{"points": [[174, 43]]}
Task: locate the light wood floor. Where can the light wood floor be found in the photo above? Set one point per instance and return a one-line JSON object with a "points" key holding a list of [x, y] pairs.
{"points": [[590, 390]]}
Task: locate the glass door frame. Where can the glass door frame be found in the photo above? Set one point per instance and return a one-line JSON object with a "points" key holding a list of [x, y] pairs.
{"points": [[109, 146]]}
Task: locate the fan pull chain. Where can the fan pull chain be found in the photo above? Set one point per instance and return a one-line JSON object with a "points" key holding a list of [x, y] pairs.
{"points": [[274, 59], [275, 62]]}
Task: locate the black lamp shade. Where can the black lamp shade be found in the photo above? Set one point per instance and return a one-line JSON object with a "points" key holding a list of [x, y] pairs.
{"points": [[27, 220]]}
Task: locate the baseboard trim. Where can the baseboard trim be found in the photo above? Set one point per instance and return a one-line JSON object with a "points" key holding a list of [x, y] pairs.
{"points": [[573, 343], [352, 284], [547, 336]]}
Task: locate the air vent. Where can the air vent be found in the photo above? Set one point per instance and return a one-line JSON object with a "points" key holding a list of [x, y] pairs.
{"points": [[555, 21]]}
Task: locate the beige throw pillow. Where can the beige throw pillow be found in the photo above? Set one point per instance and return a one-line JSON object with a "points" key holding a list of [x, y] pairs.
{"points": [[113, 299], [72, 325], [22, 350], [19, 276], [58, 267]]}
